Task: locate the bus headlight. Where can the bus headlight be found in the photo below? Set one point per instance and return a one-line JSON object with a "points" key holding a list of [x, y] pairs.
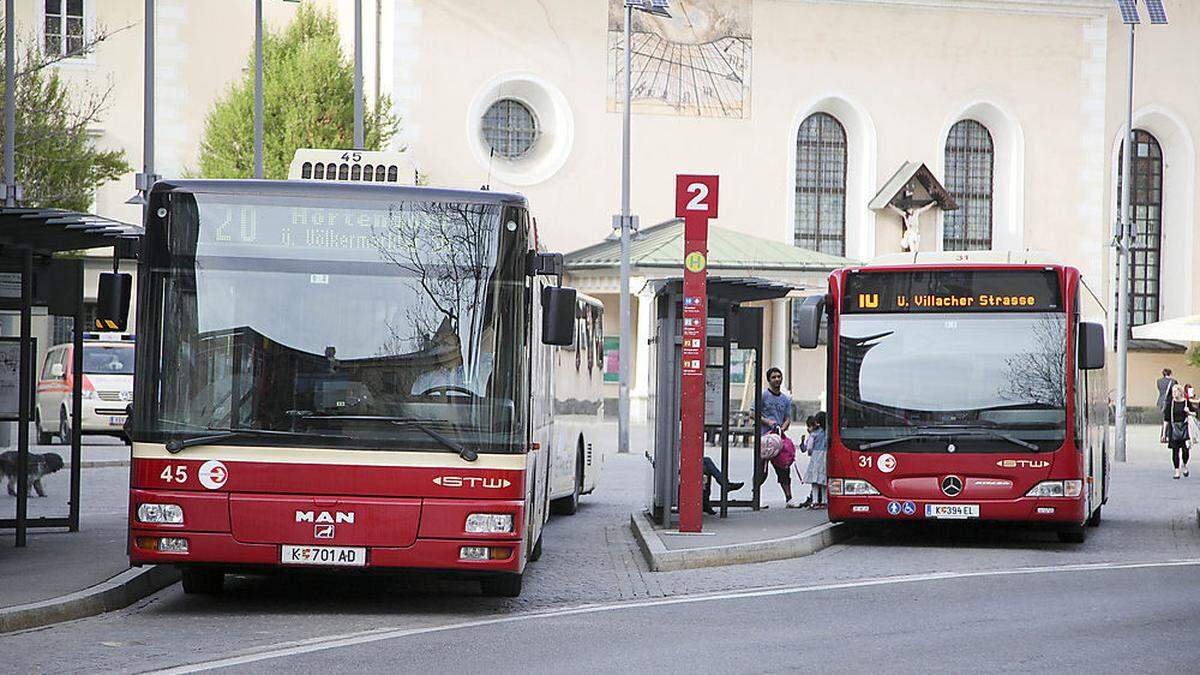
{"points": [[489, 523], [160, 513], [854, 487], [1056, 488]]}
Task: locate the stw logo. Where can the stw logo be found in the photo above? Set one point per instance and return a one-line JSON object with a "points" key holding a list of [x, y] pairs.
{"points": [[868, 300]]}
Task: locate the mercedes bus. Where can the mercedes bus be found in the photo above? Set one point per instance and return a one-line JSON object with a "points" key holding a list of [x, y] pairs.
{"points": [[966, 386], [360, 376]]}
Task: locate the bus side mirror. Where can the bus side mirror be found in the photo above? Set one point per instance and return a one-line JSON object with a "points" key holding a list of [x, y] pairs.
{"points": [[558, 316], [112, 301], [1091, 346], [808, 317]]}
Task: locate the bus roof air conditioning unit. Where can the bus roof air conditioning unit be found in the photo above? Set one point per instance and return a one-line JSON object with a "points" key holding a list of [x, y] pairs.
{"points": [[354, 166]]}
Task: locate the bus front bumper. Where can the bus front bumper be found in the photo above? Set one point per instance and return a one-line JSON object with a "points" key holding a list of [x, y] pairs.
{"points": [[215, 548], [1057, 510]]}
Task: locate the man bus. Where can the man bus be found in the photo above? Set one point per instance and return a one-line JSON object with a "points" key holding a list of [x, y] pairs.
{"points": [[964, 386], [347, 375]]}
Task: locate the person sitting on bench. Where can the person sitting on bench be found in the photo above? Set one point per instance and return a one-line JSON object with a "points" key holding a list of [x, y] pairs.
{"points": [[711, 470]]}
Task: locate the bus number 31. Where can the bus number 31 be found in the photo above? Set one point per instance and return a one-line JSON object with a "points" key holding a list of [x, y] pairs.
{"points": [[864, 461]]}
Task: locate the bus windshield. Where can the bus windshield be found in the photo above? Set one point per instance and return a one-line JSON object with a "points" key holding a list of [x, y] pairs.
{"points": [[371, 321], [900, 373]]}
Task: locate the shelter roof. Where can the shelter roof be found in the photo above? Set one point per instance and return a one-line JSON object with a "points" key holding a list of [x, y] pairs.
{"points": [[47, 231], [733, 289], [661, 246], [1182, 329]]}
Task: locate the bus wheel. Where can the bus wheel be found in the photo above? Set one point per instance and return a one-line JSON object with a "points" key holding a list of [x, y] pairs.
{"points": [[567, 506], [202, 580], [536, 553], [1094, 519], [501, 585], [1075, 534]]}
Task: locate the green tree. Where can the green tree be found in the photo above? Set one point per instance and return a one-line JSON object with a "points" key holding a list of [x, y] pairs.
{"points": [[58, 164], [308, 102]]}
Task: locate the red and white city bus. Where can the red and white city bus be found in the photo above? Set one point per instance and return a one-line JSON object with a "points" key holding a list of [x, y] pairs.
{"points": [[344, 375], [964, 386]]}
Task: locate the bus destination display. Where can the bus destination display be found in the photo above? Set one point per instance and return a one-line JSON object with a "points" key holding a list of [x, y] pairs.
{"points": [[952, 291], [249, 226]]}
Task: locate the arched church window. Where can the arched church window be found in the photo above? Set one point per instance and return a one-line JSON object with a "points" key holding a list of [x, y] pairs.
{"points": [[970, 164]]}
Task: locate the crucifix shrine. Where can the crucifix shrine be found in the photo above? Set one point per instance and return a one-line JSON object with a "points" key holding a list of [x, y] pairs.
{"points": [[909, 193]]}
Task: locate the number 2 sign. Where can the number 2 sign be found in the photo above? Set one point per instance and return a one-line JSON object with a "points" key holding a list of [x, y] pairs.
{"points": [[695, 196]]}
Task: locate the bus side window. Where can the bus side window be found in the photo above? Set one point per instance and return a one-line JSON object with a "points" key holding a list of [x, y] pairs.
{"points": [[1080, 390]]}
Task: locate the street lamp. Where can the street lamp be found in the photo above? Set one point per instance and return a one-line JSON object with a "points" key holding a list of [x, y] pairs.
{"points": [[1124, 234], [10, 107], [657, 8]]}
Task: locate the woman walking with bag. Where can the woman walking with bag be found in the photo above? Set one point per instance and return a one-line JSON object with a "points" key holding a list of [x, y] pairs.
{"points": [[1175, 429]]}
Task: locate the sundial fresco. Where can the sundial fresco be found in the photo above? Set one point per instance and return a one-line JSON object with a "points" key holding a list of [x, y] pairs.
{"points": [[696, 63]]}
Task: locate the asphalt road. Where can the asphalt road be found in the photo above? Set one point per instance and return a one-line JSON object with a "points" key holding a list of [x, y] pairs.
{"points": [[1140, 619], [983, 617]]}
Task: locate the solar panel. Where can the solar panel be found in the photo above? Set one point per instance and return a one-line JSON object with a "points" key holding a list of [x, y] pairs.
{"points": [[1129, 11], [1158, 15]]}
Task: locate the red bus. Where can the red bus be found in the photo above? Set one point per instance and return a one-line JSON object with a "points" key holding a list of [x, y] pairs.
{"points": [[357, 376], [964, 386]]}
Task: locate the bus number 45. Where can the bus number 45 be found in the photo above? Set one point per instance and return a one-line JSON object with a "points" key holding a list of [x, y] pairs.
{"points": [[174, 474]]}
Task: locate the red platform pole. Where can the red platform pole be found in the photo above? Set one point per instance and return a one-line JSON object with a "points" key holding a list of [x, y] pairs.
{"points": [[696, 203]]}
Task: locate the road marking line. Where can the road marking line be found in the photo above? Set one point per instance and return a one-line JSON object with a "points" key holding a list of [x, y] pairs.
{"points": [[310, 645]]}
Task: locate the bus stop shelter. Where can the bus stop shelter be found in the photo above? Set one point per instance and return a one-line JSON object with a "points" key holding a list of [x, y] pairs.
{"points": [[731, 325], [31, 275]]}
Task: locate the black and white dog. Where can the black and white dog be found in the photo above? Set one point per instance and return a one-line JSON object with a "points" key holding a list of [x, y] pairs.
{"points": [[39, 465]]}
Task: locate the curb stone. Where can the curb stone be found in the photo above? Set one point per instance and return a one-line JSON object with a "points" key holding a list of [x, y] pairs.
{"points": [[662, 559], [118, 592]]}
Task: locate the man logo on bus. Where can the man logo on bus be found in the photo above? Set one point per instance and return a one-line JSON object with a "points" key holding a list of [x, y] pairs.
{"points": [[868, 300]]}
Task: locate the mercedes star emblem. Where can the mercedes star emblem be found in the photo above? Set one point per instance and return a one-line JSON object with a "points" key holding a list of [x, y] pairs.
{"points": [[952, 485]]}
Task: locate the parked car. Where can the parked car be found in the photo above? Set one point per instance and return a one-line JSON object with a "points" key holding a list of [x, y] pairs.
{"points": [[107, 388]]}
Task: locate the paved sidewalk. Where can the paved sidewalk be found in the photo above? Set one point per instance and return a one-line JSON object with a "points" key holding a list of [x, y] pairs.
{"points": [[56, 562], [63, 575], [773, 533], [778, 533], [744, 525]]}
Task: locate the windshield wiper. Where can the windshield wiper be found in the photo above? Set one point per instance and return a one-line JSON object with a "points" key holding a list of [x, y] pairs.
{"points": [[464, 452], [992, 433], [176, 445], [922, 433]]}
